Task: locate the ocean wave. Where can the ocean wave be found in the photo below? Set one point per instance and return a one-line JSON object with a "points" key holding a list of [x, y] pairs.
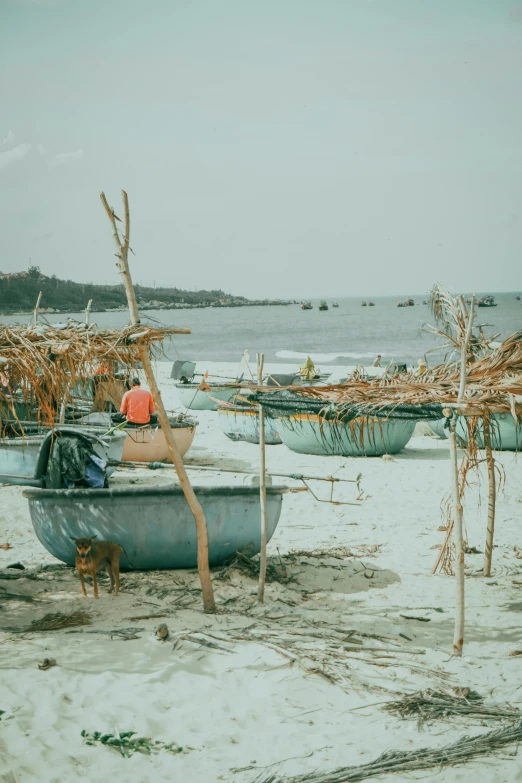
{"points": [[324, 357]]}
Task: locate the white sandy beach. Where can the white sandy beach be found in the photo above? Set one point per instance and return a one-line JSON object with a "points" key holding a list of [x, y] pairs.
{"points": [[294, 685]]}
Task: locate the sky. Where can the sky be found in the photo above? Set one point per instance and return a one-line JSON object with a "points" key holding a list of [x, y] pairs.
{"points": [[270, 148]]}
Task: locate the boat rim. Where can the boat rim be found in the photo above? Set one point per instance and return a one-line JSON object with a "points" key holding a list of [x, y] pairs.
{"points": [[238, 409], [34, 493], [314, 417], [213, 386]]}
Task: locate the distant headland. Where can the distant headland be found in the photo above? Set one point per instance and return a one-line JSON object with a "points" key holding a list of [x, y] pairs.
{"points": [[19, 293]]}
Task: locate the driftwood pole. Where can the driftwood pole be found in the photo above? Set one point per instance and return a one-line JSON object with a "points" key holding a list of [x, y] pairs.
{"points": [[36, 309], [492, 495], [262, 485], [195, 506], [458, 639]]}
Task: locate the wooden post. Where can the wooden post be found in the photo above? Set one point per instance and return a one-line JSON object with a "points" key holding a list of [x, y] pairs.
{"points": [[458, 638], [262, 485], [61, 417], [88, 312], [492, 494], [36, 309], [195, 506]]}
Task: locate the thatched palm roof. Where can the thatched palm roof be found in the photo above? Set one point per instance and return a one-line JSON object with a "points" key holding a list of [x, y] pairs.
{"points": [[41, 362], [494, 384]]}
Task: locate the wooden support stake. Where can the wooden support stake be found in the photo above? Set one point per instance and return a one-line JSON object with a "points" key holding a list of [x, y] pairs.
{"points": [[458, 638], [262, 485], [492, 495], [37, 309], [195, 506], [88, 312]]}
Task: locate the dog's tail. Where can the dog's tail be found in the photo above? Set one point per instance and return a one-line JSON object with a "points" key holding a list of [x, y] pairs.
{"points": [[126, 555]]}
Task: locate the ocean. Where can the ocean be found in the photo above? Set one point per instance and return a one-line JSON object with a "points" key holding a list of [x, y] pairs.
{"points": [[347, 335]]}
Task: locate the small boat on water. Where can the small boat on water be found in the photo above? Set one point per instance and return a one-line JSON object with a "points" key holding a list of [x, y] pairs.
{"points": [[323, 306], [197, 399], [148, 443], [154, 525], [406, 303], [371, 304], [24, 459], [241, 422], [518, 298], [335, 304], [487, 301], [364, 304], [306, 306], [308, 433]]}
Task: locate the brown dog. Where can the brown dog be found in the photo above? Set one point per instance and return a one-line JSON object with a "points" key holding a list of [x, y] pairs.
{"points": [[90, 558]]}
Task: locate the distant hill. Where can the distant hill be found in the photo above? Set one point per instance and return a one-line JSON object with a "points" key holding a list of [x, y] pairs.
{"points": [[19, 293]]}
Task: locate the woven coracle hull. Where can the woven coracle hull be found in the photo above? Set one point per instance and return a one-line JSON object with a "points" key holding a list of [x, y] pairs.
{"points": [[364, 437]]}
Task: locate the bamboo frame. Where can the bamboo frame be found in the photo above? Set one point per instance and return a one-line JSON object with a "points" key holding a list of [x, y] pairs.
{"points": [[262, 486], [492, 494]]}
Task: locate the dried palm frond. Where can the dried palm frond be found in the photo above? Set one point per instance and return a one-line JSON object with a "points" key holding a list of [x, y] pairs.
{"points": [[39, 364], [276, 570], [460, 752], [57, 620], [494, 385], [430, 705]]}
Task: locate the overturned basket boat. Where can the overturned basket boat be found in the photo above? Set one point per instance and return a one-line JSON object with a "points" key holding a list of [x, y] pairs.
{"points": [[154, 525]]}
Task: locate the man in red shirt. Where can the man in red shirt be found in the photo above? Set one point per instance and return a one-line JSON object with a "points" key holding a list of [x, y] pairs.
{"points": [[137, 406]]}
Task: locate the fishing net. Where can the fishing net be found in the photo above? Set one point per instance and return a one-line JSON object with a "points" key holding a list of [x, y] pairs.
{"points": [[287, 403]]}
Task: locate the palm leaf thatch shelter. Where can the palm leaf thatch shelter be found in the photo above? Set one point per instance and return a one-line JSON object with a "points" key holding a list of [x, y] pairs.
{"points": [[478, 384], [39, 364], [494, 385]]}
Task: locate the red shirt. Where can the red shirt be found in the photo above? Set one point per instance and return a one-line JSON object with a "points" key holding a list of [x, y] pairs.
{"points": [[137, 404]]}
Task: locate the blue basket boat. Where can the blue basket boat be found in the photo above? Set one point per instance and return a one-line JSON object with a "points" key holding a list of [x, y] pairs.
{"points": [[506, 432], [23, 460], [363, 437], [154, 524]]}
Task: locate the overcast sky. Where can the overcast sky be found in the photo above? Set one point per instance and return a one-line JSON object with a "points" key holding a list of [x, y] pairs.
{"points": [[269, 147]]}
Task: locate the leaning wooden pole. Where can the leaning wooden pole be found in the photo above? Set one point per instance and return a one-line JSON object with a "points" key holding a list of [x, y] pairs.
{"points": [[37, 309], [195, 506], [88, 312], [458, 638], [492, 496], [262, 485]]}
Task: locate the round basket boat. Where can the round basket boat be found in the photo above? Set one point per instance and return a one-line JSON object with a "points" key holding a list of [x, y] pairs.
{"points": [[241, 422], [364, 437], [438, 428], [194, 398], [154, 525], [506, 432], [25, 458], [148, 444]]}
